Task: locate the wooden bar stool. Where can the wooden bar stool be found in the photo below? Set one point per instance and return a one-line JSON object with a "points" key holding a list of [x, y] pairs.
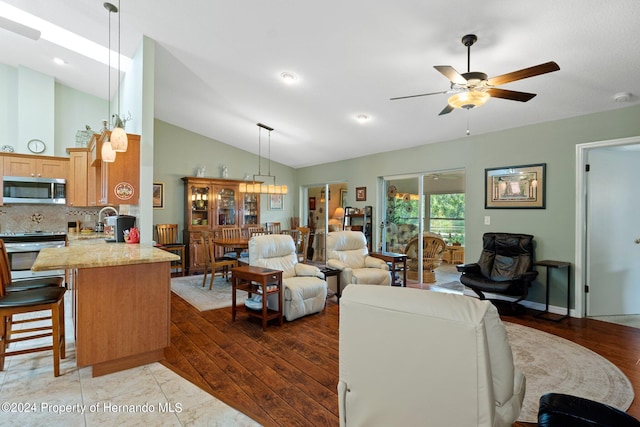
{"points": [[29, 301], [168, 241]]}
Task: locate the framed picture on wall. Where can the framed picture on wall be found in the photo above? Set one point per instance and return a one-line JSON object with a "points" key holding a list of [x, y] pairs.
{"points": [[312, 203], [158, 195], [515, 187], [361, 194], [276, 202]]}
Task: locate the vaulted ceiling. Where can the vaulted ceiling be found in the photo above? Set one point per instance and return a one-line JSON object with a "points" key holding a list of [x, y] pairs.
{"points": [[219, 65]]}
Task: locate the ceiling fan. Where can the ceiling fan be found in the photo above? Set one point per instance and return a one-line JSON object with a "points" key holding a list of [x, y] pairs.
{"points": [[473, 88]]}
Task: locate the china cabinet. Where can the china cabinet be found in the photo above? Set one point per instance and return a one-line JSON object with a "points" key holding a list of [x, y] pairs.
{"points": [[211, 205]]}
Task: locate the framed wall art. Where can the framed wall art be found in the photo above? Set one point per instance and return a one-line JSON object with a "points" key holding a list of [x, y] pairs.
{"points": [[361, 194], [516, 187], [158, 195], [276, 202], [312, 203]]}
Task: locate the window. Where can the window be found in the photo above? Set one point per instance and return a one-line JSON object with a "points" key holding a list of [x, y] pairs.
{"points": [[446, 216]]}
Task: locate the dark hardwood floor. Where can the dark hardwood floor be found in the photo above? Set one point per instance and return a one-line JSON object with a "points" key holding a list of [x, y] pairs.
{"points": [[288, 374]]}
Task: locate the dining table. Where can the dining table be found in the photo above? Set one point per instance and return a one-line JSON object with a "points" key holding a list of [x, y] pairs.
{"points": [[237, 244]]}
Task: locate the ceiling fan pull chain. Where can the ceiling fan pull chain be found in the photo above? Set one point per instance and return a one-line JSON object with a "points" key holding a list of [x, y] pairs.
{"points": [[468, 131]]}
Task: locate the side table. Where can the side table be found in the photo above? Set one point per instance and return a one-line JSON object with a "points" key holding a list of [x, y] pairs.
{"points": [[393, 259], [549, 264], [255, 280], [332, 272]]}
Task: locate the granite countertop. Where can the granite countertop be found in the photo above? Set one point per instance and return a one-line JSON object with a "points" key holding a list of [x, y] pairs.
{"points": [[101, 255], [85, 236]]}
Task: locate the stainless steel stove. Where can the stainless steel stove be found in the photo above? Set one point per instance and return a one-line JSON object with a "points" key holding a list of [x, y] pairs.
{"points": [[23, 249]]}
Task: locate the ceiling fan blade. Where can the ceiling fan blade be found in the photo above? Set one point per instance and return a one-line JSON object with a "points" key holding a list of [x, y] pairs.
{"points": [[446, 110], [451, 73], [510, 94], [415, 96], [525, 73]]}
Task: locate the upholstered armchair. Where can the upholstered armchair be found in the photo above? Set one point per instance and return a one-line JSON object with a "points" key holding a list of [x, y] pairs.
{"points": [[411, 357], [347, 251], [505, 267], [305, 290]]}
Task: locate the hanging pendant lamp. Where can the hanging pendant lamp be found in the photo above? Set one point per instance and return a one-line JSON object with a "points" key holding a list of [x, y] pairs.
{"points": [[107, 153], [119, 140], [261, 188]]}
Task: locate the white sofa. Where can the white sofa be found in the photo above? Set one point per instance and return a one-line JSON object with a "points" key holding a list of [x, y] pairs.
{"points": [[305, 290], [411, 357], [347, 251]]}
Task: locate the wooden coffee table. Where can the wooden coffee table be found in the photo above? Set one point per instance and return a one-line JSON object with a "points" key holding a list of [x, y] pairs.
{"points": [[257, 280]]}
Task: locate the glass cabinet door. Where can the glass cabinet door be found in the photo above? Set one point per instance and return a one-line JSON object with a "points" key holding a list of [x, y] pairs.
{"points": [[199, 205], [250, 209], [226, 207]]}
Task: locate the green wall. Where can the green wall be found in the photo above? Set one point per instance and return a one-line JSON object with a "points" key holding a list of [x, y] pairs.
{"points": [[178, 152], [552, 143]]}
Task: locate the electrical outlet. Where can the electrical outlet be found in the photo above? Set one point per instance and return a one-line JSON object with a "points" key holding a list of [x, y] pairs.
{"points": [[487, 220]]}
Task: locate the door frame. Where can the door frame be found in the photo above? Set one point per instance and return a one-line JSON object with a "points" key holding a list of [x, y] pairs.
{"points": [[581, 261]]}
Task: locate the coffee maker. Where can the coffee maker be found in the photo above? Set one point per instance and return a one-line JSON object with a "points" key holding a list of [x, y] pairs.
{"points": [[120, 223]]}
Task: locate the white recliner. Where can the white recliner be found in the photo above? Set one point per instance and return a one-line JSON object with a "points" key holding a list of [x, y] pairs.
{"points": [[305, 290], [412, 357], [347, 251]]}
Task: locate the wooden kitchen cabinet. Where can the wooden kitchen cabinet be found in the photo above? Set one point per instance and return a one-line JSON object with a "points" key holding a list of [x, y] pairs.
{"points": [[35, 166], [113, 183], [211, 205], [93, 182], [77, 184]]}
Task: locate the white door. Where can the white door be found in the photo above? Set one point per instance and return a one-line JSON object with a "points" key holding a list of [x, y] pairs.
{"points": [[613, 225]]}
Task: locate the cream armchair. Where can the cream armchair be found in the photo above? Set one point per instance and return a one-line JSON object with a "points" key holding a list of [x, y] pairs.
{"points": [[412, 357], [347, 252], [305, 290]]}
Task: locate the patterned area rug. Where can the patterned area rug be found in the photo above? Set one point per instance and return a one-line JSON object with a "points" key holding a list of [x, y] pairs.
{"points": [[190, 289], [553, 364]]}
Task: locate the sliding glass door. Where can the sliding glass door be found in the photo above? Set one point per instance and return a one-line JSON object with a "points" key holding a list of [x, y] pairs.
{"points": [[419, 203]]}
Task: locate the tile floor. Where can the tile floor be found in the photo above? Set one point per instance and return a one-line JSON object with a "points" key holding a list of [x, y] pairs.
{"points": [[149, 395]]}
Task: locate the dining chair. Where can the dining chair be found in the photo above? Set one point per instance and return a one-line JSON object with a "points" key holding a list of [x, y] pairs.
{"points": [[46, 298], [256, 231], [303, 245], [167, 239], [232, 233], [273, 227], [213, 263]]}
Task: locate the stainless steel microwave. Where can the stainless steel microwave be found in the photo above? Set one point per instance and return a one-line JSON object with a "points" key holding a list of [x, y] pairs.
{"points": [[25, 189]]}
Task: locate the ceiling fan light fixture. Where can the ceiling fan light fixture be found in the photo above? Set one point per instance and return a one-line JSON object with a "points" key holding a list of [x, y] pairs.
{"points": [[468, 100]]}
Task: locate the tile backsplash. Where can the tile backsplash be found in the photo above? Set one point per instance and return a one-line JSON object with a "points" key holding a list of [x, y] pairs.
{"points": [[32, 218]]}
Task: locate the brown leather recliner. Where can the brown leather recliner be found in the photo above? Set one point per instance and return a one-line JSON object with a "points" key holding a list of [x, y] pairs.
{"points": [[505, 266]]}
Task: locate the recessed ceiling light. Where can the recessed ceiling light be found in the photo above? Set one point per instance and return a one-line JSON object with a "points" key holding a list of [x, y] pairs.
{"points": [[59, 61], [362, 118], [622, 97], [288, 78]]}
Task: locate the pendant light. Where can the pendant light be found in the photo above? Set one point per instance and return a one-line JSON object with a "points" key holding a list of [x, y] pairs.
{"points": [[119, 140], [107, 152], [257, 187]]}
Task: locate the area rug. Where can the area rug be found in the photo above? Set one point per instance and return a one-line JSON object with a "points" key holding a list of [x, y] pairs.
{"points": [[190, 289], [554, 364]]}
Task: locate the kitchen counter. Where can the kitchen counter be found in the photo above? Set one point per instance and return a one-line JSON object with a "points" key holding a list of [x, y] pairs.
{"points": [[85, 236], [102, 255], [121, 301]]}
